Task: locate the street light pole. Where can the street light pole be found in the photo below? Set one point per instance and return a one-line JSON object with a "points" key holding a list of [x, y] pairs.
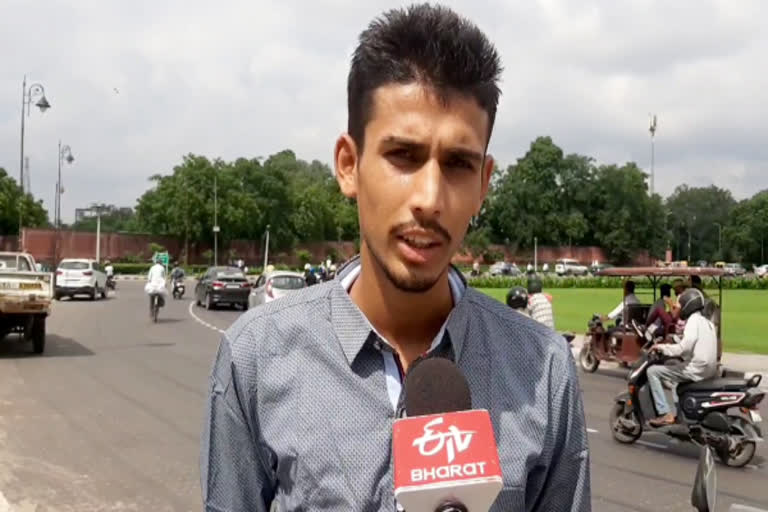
{"points": [[215, 218], [266, 250], [652, 129], [719, 239], [65, 153], [35, 90]]}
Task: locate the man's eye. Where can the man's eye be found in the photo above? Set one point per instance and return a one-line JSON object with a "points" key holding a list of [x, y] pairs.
{"points": [[406, 154], [459, 163]]}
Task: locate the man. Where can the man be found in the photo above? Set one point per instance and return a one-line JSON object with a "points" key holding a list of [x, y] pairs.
{"points": [[177, 272], [659, 320], [629, 298], [109, 270], [698, 347], [304, 390], [156, 284], [540, 305]]}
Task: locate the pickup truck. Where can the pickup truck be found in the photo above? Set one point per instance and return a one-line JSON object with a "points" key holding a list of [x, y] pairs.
{"points": [[25, 298]]}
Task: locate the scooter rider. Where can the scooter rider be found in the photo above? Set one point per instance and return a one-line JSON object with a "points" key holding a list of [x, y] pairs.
{"points": [[177, 274], [698, 347], [540, 304]]}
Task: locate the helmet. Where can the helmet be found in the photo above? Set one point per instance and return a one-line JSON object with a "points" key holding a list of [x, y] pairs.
{"points": [[534, 284], [307, 266], [691, 301], [517, 298]]}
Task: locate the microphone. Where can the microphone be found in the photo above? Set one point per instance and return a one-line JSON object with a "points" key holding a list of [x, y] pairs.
{"points": [[445, 455]]}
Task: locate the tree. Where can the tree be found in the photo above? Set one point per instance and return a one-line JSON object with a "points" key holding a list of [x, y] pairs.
{"points": [[697, 211], [747, 232], [34, 214]]}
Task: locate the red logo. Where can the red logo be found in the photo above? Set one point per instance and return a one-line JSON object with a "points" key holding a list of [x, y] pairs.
{"points": [[438, 448]]}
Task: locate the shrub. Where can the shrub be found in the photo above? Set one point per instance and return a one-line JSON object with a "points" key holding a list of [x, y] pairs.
{"points": [[553, 281], [303, 256]]}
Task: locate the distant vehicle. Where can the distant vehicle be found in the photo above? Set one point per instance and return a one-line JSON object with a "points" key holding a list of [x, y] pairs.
{"points": [[735, 269], [274, 285], [80, 277], [570, 267], [597, 267], [702, 263], [504, 268], [25, 298], [761, 271], [222, 285]]}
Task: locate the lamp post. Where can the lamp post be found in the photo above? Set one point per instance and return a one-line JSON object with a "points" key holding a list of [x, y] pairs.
{"points": [[35, 91], [65, 153], [215, 218], [719, 239], [266, 250], [652, 129]]}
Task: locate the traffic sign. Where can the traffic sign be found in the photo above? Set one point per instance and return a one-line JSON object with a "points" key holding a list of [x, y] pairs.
{"points": [[216, 229], [162, 257]]}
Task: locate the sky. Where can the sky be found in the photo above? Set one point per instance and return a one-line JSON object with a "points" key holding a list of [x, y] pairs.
{"points": [[136, 85]]}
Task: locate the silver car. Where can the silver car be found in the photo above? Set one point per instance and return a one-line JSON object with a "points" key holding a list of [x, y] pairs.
{"points": [[273, 285]]}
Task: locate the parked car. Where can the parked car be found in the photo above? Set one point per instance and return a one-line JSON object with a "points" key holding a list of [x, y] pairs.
{"points": [[504, 268], [273, 285], [80, 277], [25, 298], [222, 285], [735, 269], [761, 271], [570, 267]]}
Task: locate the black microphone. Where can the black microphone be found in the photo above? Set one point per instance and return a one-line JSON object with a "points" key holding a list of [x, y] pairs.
{"points": [[445, 455]]}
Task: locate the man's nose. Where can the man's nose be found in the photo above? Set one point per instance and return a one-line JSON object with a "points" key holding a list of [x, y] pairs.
{"points": [[428, 190]]}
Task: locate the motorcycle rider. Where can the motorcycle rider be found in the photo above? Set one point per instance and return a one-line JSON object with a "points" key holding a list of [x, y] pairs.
{"points": [[698, 347], [177, 274], [155, 286], [540, 304], [517, 299], [109, 270]]}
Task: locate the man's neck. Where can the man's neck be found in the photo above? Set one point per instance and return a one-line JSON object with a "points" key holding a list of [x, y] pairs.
{"points": [[409, 321]]}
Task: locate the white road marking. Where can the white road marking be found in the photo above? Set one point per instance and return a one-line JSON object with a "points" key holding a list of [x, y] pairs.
{"points": [[200, 321], [592, 431]]}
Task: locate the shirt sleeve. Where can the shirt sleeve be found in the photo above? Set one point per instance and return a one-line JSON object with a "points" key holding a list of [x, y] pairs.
{"points": [[690, 335], [616, 311], [566, 480], [234, 472]]}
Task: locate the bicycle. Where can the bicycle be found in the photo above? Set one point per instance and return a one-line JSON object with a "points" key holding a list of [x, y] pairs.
{"points": [[154, 306]]}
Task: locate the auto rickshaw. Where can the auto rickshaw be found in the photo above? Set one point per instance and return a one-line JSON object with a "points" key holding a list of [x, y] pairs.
{"points": [[624, 345]]}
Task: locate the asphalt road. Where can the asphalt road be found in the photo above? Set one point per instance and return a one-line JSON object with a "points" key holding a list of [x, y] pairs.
{"points": [[109, 419]]}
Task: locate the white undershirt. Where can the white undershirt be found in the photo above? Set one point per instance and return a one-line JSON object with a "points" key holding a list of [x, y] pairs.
{"points": [[391, 371]]}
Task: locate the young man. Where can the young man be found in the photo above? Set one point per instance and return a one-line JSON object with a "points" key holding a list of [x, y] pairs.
{"points": [[304, 390], [156, 284]]}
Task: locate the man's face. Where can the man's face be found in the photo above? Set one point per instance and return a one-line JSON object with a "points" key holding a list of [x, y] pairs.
{"points": [[420, 178]]}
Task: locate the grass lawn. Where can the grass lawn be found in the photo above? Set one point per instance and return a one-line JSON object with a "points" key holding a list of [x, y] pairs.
{"points": [[745, 312]]}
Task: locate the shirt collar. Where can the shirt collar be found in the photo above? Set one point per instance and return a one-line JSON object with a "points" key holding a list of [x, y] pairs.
{"points": [[353, 329]]}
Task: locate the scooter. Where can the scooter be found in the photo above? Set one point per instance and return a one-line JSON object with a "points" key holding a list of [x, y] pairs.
{"points": [[178, 288], [721, 413], [111, 284]]}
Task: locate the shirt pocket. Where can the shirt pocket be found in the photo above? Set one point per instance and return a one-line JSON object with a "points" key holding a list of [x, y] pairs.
{"points": [[510, 499]]}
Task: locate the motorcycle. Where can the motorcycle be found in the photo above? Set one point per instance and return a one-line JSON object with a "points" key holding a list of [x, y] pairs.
{"points": [[721, 413], [178, 288], [111, 284]]}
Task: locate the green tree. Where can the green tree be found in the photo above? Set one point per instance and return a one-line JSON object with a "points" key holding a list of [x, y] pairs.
{"points": [[747, 233], [34, 214]]}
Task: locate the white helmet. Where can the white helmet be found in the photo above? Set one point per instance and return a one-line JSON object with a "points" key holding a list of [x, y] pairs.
{"points": [[307, 266]]}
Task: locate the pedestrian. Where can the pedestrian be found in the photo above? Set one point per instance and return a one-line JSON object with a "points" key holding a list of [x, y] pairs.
{"points": [[304, 392]]}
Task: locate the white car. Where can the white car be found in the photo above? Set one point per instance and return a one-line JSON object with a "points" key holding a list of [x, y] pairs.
{"points": [[761, 271], [80, 277], [273, 285], [570, 267]]}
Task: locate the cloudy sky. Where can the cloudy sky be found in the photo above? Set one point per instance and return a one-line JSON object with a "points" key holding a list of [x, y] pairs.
{"points": [[249, 78]]}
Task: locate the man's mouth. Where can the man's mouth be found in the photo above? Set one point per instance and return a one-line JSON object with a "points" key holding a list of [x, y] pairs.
{"points": [[419, 242]]}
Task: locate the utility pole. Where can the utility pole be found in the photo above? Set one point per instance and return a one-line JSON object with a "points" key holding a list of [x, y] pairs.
{"points": [[266, 250], [215, 218], [535, 254], [652, 129]]}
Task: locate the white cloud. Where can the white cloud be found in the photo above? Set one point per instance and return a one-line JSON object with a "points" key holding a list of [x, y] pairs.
{"points": [[250, 78]]}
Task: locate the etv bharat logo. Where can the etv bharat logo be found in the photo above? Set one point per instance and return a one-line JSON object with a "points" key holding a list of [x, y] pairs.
{"points": [[453, 441]]}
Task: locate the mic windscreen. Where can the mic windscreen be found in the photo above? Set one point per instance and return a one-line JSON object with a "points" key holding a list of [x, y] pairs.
{"points": [[434, 386]]}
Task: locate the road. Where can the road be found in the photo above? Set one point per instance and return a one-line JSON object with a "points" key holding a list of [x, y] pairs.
{"points": [[109, 419]]}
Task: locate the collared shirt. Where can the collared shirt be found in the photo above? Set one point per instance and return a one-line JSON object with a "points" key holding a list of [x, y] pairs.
{"points": [[299, 410], [541, 310], [626, 301], [698, 347]]}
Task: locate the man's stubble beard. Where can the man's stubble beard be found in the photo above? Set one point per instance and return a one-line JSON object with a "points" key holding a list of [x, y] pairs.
{"points": [[408, 284]]}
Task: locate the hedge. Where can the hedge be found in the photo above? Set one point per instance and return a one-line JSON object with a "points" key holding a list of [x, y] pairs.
{"points": [[190, 270], [551, 281]]}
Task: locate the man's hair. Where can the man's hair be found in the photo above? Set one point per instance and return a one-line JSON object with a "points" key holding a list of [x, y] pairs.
{"points": [[629, 287], [428, 44], [695, 281], [666, 290]]}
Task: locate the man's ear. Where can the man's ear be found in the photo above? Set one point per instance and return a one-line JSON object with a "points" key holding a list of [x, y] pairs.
{"points": [[488, 165], [346, 161]]}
